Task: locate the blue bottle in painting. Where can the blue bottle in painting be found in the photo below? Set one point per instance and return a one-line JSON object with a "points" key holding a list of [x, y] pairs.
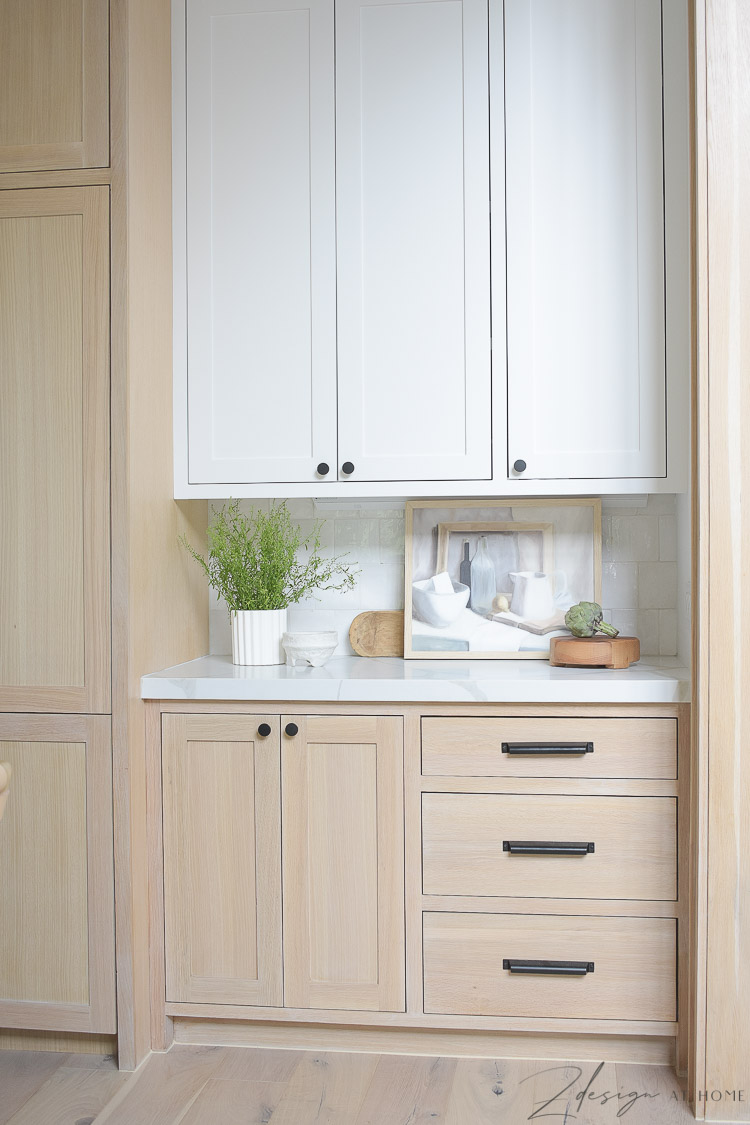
{"points": [[482, 579], [464, 570]]}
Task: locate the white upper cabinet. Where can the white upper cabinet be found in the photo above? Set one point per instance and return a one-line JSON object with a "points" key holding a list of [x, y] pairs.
{"points": [[260, 247], [431, 247], [413, 252], [584, 110]]}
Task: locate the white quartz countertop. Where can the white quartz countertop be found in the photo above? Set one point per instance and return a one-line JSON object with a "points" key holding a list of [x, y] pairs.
{"points": [[393, 680]]}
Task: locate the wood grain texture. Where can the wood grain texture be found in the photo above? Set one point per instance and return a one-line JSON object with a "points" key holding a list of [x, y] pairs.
{"points": [[326, 1087], [70, 1095], [623, 747], [22, 1073], [408, 1090], [725, 620], [342, 789], [56, 883], [594, 652], [54, 437], [222, 860], [189, 1086], [152, 577], [634, 960], [234, 1103], [43, 888], [162, 1089], [378, 633], [90, 1046], [700, 533], [632, 1046], [635, 841], [54, 84], [5, 774]]}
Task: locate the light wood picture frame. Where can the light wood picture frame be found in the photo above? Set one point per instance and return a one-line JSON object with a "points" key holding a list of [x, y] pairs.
{"points": [[545, 555]]}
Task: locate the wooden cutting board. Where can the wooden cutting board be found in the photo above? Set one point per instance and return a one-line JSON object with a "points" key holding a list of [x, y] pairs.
{"points": [[594, 652], [378, 633]]}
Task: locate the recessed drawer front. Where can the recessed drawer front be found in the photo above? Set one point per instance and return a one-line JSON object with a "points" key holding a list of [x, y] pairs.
{"points": [[549, 747], [504, 844], [633, 961]]}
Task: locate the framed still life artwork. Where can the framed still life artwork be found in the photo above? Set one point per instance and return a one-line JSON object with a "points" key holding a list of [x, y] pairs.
{"points": [[495, 578]]}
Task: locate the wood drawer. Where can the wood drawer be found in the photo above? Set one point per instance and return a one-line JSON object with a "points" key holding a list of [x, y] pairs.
{"points": [[634, 838], [619, 748], [634, 963]]}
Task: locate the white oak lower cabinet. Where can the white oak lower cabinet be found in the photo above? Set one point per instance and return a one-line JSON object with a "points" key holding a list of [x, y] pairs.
{"points": [[362, 874], [339, 781], [57, 935]]}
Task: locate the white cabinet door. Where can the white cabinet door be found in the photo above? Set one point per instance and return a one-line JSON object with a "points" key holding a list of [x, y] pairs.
{"points": [[260, 258], [585, 238], [413, 239]]}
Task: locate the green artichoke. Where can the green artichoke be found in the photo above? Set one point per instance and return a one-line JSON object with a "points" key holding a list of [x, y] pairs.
{"points": [[585, 619]]}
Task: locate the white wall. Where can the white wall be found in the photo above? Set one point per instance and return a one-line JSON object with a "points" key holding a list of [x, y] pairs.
{"points": [[640, 582]]}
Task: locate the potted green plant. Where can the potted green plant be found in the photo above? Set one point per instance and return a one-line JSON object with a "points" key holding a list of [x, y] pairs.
{"points": [[260, 564]]}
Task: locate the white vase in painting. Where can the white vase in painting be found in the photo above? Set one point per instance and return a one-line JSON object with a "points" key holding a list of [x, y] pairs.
{"points": [[256, 636], [483, 588]]}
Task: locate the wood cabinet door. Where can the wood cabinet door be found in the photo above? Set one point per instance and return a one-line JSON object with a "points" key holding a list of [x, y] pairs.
{"points": [[57, 941], [255, 260], [54, 84], [343, 863], [222, 859], [412, 197], [585, 238], [54, 450]]}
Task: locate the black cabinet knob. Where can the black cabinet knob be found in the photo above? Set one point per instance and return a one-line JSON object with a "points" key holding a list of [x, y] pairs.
{"points": [[264, 730], [323, 470], [291, 729], [519, 466], [347, 468]]}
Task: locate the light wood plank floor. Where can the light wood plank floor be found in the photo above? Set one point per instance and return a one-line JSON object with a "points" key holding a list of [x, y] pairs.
{"points": [[237, 1086]]}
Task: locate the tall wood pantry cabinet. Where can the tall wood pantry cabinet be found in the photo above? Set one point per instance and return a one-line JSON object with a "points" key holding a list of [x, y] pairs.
{"points": [[89, 557], [56, 862], [357, 323]]}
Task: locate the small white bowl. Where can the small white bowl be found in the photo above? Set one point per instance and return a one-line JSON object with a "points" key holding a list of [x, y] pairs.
{"points": [[436, 609], [309, 648]]}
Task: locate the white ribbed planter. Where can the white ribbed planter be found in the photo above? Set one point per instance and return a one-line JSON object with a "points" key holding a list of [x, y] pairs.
{"points": [[256, 636]]}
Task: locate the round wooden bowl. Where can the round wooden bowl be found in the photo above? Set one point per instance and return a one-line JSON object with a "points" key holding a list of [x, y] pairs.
{"points": [[594, 652]]}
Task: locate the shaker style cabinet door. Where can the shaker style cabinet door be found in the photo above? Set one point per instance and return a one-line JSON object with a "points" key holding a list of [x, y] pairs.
{"points": [[343, 863], [222, 858], [412, 197], [260, 361], [54, 450], [585, 238], [54, 84], [57, 925]]}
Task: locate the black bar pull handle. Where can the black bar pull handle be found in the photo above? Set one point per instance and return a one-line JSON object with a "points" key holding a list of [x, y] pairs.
{"points": [[547, 847], [549, 968], [547, 747]]}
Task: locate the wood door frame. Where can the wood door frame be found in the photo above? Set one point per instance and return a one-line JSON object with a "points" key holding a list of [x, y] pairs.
{"points": [[720, 993], [263, 861], [99, 1014], [92, 151], [92, 205]]}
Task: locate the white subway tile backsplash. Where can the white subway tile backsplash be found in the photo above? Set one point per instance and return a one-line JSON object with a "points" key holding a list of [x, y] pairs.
{"points": [[639, 572], [657, 585], [647, 631], [667, 632], [620, 584], [668, 538], [632, 538]]}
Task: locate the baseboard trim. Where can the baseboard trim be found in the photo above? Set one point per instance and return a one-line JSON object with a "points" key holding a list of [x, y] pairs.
{"points": [[652, 1050]]}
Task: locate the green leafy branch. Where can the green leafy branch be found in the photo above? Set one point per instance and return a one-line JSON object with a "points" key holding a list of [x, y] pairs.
{"points": [[262, 561]]}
